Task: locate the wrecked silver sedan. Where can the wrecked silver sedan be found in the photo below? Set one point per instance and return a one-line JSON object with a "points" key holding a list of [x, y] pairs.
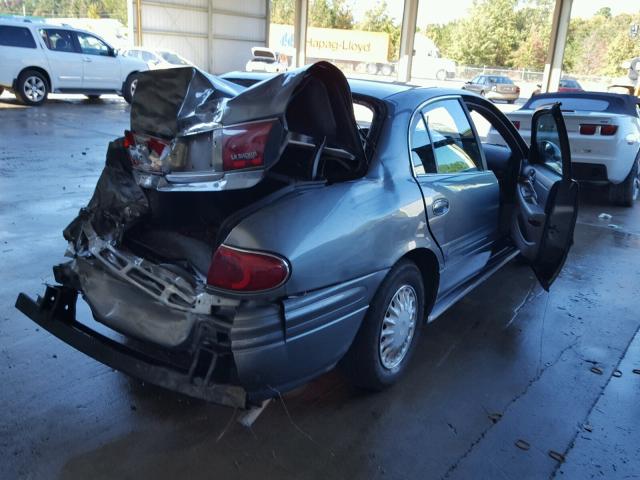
{"points": [[241, 241]]}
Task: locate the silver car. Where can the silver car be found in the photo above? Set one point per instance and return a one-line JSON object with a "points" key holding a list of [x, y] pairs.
{"points": [[243, 241]]}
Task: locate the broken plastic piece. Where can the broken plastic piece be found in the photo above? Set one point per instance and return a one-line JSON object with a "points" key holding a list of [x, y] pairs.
{"points": [[605, 216], [588, 427], [522, 444], [248, 418]]}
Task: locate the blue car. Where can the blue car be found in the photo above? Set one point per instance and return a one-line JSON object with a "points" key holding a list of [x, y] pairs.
{"points": [[250, 233]]}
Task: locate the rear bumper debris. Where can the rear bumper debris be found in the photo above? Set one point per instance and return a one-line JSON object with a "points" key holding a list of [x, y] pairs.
{"points": [[56, 313]]}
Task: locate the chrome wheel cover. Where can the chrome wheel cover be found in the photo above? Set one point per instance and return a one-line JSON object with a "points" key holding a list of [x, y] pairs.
{"points": [[134, 85], [398, 327], [34, 88]]}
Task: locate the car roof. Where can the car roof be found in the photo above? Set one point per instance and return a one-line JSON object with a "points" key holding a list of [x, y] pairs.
{"points": [[369, 88], [43, 24], [618, 102]]}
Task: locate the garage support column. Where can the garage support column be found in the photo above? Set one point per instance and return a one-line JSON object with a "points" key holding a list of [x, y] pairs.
{"points": [[300, 32], [557, 42], [209, 36], [139, 23], [407, 37]]}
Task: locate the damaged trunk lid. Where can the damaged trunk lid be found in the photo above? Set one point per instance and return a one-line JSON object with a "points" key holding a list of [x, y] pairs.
{"points": [[191, 131]]}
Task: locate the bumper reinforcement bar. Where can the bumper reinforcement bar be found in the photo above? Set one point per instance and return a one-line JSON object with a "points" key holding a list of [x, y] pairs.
{"points": [[56, 313]]}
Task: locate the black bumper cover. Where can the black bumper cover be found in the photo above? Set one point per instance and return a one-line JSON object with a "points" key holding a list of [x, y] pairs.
{"points": [[56, 313]]}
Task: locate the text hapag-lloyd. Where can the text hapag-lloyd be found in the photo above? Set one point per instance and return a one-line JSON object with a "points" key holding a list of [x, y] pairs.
{"points": [[344, 45]]}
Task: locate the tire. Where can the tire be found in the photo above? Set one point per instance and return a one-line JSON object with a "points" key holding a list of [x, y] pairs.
{"points": [[386, 70], [93, 98], [32, 88], [129, 88], [372, 69], [625, 193], [441, 74], [366, 363]]}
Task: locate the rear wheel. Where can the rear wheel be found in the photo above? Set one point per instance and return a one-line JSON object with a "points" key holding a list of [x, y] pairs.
{"points": [[441, 75], [384, 344], [625, 193], [129, 88], [32, 88], [372, 69], [386, 70]]}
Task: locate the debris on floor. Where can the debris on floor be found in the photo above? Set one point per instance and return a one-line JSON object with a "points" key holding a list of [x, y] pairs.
{"points": [[556, 456], [605, 216], [596, 370], [522, 444], [248, 418]]}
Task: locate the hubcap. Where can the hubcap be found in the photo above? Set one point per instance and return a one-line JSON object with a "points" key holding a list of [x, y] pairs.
{"points": [[134, 84], [398, 326], [34, 88]]}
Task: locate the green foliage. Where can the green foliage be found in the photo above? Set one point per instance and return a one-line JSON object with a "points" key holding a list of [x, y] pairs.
{"points": [[378, 20], [68, 8], [330, 14]]}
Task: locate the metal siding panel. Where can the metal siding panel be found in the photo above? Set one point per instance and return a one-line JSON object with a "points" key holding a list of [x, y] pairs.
{"points": [[174, 20], [193, 49], [230, 55], [251, 29], [251, 7]]}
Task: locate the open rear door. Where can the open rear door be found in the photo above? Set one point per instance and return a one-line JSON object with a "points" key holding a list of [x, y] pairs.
{"points": [[546, 197]]}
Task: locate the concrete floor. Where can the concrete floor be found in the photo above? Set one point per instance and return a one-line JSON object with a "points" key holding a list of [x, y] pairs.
{"points": [[507, 363]]}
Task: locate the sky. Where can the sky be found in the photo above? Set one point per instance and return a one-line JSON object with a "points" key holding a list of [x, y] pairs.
{"points": [[439, 11]]}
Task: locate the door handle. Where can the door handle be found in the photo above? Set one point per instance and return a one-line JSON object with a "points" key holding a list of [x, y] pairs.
{"points": [[88, 60], [440, 207]]}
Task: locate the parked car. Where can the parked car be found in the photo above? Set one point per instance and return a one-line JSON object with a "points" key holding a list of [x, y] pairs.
{"points": [[38, 59], [604, 134], [246, 240], [494, 87], [265, 60], [566, 85], [157, 59]]}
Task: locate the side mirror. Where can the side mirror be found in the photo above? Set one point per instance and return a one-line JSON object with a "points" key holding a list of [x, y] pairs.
{"points": [[539, 85], [549, 141], [113, 52]]}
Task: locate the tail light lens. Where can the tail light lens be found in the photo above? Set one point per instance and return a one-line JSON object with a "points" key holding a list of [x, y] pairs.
{"points": [[516, 123], [246, 271], [608, 130], [243, 145], [517, 89], [588, 129], [146, 150]]}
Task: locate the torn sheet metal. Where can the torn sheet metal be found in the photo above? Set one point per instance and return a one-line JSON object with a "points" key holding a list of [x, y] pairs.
{"points": [[182, 121]]}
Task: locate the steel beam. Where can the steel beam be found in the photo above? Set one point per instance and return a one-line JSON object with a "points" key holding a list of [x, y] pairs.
{"points": [[407, 37], [300, 32], [557, 42]]}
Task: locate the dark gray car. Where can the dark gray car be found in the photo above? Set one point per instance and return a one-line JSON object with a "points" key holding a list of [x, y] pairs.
{"points": [[244, 241], [494, 87]]}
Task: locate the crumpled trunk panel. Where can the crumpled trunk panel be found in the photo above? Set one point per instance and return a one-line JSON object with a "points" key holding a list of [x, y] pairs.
{"points": [[193, 131]]}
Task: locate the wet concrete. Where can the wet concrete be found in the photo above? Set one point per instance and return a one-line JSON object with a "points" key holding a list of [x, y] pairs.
{"points": [[509, 362]]}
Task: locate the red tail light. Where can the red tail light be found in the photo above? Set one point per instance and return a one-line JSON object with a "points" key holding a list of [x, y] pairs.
{"points": [[246, 271], [516, 123], [517, 89], [129, 139], [608, 130], [243, 145], [588, 129]]}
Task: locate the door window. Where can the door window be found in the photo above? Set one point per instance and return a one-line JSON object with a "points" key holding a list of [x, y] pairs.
{"points": [[148, 57], [91, 45], [421, 150], [454, 142], [16, 37], [59, 40]]}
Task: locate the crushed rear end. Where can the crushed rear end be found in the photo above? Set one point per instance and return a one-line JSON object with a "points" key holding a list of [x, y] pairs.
{"points": [[148, 253]]}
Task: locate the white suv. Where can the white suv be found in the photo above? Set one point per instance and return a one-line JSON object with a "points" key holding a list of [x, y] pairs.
{"points": [[39, 58]]}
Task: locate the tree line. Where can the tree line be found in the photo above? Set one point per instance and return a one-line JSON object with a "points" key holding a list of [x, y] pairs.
{"points": [[116, 9], [494, 33]]}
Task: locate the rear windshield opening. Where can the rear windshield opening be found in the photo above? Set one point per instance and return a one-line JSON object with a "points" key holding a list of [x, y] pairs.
{"points": [[572, 104]]}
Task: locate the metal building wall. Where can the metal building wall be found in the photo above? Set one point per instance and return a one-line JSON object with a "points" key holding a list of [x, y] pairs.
{"points": [[216, 35]]}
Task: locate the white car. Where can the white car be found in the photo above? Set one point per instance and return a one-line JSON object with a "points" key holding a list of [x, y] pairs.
{"points": [[38, 58], [158, 59], [265, 60], [604, 135]]}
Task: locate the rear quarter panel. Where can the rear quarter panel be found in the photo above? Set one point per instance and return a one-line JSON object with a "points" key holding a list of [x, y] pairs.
{"points": [[14, 59], [335, 233]]}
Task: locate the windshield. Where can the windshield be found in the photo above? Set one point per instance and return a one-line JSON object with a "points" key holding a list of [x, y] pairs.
{"points": [[569, 84], [500, 80], [173, 58]]}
